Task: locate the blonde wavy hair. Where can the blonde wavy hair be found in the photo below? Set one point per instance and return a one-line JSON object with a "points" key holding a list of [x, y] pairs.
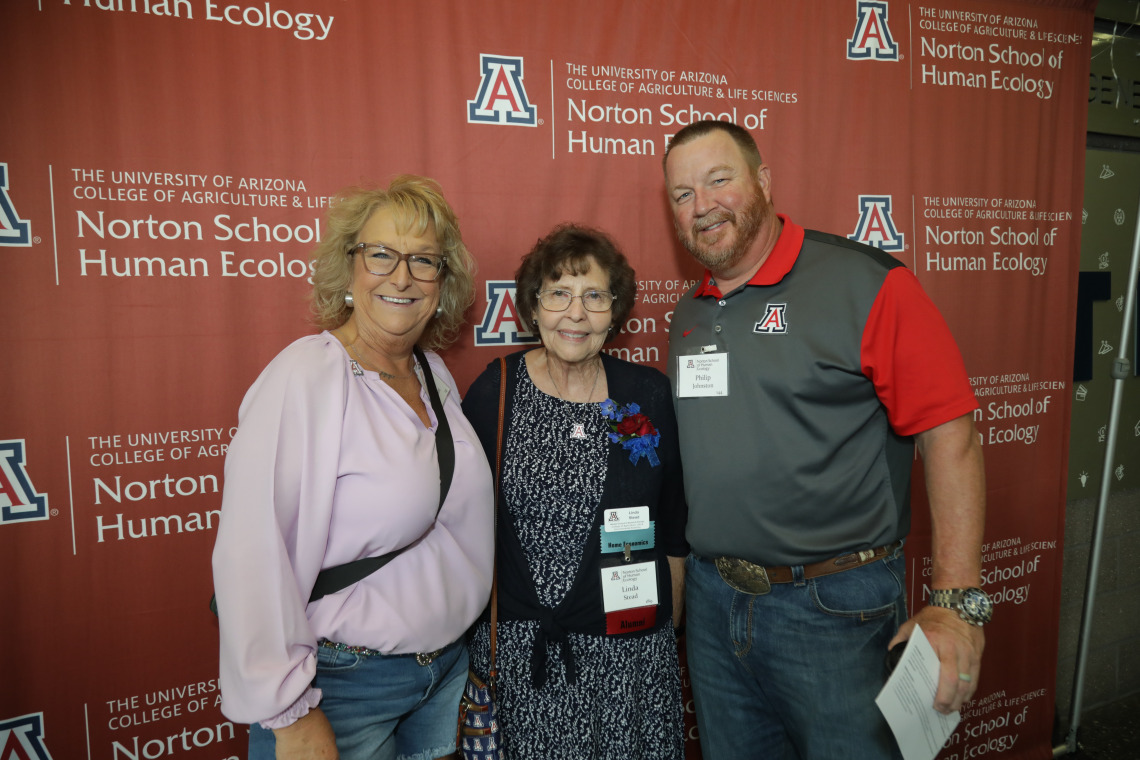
{"points": [[417, 205]]}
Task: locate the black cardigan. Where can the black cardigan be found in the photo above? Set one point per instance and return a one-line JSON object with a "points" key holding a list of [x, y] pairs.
{"points": [[627, 485]]}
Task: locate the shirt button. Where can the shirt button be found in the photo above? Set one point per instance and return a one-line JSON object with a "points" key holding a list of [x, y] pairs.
{"points": [[722, 302], [717, 328]]}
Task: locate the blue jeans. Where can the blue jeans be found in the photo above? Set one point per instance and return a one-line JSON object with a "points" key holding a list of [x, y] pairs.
{"points": [[793, 673], [385, 707]]}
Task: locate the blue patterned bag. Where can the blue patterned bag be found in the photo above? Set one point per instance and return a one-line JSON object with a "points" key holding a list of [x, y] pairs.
{"points": [[479, 735]]}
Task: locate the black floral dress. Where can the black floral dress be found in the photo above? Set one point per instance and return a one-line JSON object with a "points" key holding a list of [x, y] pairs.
{"points": [[621, 695]]}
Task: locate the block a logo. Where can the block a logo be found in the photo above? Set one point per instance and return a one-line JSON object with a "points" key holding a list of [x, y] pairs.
{"points": [[502, 325], [872, 40], [23, 738], [14, 231], [774, 321], [19, 501], [502, 96], [876, 226]]}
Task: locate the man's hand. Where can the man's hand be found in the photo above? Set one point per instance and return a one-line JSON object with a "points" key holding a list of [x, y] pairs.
{"points": [[959, 648], [310, 738]]}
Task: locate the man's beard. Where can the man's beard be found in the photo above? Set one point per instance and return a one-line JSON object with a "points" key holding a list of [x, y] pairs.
{"points": [[747, 224]]}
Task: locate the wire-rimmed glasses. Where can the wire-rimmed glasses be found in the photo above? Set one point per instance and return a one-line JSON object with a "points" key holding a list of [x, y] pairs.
{"points": [[557, 299]]}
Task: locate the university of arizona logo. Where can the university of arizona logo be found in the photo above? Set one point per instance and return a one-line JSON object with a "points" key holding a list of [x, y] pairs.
{"points": [[774, 321], [502, 325], [502, 96], [876, 226], [19, 501], [14, 231], [872, 40], [23, 738]]}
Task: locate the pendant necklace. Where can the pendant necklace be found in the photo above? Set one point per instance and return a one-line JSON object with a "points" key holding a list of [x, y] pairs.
{"points": [[386, 375], [577, 429]]}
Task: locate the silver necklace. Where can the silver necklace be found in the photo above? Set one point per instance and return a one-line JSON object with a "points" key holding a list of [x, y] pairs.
{"points": [[577, 429], [382, 373]]}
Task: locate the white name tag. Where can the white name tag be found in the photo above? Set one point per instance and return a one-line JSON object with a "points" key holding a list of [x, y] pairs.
{"points": [[627, 586], [626, 518], [702, 375]]}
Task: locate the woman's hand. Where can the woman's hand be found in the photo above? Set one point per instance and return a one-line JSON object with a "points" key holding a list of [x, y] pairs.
{"points": [[310, 738]]}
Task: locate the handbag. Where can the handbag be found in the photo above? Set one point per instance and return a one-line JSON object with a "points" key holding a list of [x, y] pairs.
{"points": [[338, 577], [480, 736]]}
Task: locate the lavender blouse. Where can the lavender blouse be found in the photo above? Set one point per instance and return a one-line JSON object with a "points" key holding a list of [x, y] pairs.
{"points": [[327, 467]]}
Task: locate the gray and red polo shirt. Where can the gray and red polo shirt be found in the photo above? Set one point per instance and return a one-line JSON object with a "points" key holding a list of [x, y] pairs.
{"points": [[836, 358]]}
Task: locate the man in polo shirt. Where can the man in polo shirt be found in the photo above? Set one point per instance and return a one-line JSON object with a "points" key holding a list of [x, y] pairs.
{"points": [[806, 368]]}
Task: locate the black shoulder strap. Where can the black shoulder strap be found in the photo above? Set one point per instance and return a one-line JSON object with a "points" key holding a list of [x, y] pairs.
{"points": [[444, 443], [333, 579]]}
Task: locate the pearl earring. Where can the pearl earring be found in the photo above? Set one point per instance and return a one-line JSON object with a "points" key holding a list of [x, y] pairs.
{"points": [[438, 312], [348, 300]]}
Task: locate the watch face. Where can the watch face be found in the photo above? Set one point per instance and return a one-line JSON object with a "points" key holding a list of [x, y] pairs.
{"points": [[976, 605]]}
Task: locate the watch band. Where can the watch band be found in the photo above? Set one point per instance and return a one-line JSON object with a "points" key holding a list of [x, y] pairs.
{"points": [[972, 604]]}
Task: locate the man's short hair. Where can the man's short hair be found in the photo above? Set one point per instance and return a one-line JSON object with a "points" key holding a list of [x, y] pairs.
{"points": [[741, 136]]}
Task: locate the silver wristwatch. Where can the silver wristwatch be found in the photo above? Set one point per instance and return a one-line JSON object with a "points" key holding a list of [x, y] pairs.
{"points": [[972, 604]]}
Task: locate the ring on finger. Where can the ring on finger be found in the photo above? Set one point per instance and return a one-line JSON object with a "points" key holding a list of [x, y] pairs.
{"points": [[965, 677]]}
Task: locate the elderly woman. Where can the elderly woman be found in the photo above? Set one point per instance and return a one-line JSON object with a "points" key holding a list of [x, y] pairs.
{"points": [[591, 521], [340, 455]]}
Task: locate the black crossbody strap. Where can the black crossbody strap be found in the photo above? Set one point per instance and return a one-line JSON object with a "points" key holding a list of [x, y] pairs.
{"points": [[444, 443], [333, 579]]}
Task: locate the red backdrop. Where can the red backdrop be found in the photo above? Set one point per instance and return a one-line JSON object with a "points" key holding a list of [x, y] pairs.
{"points": [[166, 165]]}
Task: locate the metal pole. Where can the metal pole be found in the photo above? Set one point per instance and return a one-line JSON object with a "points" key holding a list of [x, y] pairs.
{"points": [[1121, 369]]}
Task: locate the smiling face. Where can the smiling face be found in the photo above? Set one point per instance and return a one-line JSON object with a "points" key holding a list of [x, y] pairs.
{"points": [[575, 335], [393, 307], [720, 205]]}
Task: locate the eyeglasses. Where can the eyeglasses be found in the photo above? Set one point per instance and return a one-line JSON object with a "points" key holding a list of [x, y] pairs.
{"points": [[557, 299], [382, 260]]}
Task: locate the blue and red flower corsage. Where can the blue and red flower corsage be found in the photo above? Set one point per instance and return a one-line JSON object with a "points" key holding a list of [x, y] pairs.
{"points": [[632, 430]]}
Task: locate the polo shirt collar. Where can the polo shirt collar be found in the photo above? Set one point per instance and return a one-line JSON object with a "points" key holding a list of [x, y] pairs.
{"points": [[774, 268]]}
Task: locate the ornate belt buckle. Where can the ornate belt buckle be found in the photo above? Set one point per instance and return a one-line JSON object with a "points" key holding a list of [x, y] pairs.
{"points": [[425, 658], [743, 576]]}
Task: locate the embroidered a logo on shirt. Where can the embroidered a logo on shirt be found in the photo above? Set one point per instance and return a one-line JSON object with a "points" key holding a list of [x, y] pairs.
{"points": [[774, 321]]}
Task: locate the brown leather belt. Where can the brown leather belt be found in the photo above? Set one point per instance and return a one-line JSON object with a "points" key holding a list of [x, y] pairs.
{"points": [[750, 578]]}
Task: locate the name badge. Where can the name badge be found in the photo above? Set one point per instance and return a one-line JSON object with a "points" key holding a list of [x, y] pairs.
{"points": [[626, 518], [702, 375], [629, 597]]}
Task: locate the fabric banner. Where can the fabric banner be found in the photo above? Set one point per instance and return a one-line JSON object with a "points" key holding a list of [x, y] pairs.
{"points": [[165, 169]]}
